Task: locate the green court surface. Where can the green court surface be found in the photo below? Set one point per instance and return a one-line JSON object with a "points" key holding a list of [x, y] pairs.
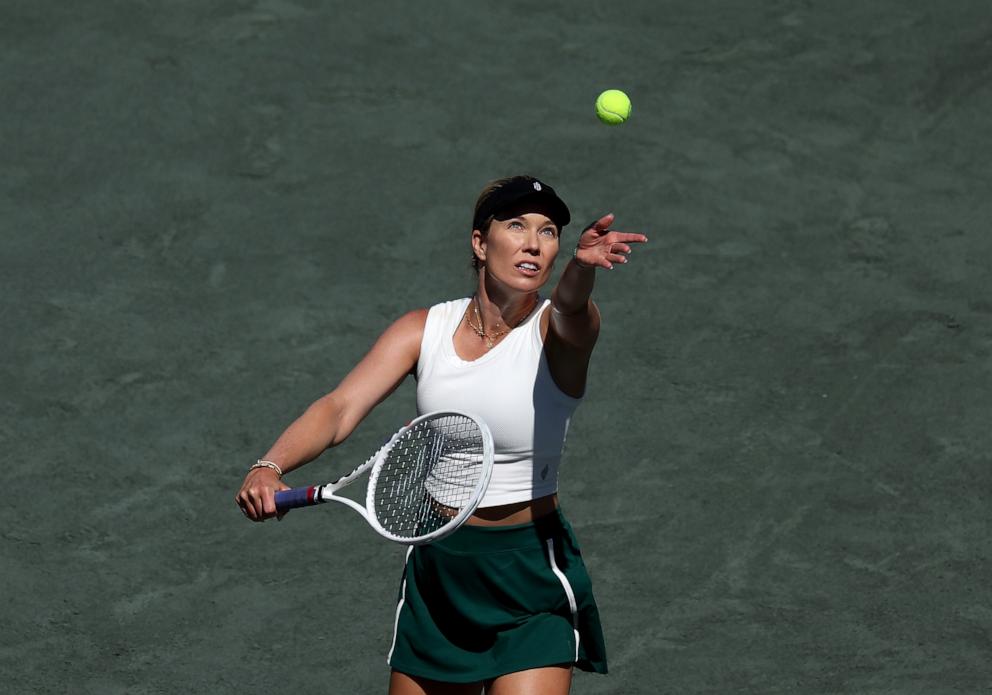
{"points": [[780, 476]]}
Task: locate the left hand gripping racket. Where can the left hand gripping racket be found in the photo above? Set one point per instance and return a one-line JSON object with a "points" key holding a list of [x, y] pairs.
{"points": [[424, 482]]}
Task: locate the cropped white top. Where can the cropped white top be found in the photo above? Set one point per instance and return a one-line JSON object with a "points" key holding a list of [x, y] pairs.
{"points": [[511, 389]]}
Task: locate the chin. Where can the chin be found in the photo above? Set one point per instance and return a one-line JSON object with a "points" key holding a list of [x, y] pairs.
{"points": [[530, 284], [513, 280]]}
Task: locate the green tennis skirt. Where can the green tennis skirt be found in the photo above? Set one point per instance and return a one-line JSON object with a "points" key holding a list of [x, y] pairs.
{"points": [[490, 600]]}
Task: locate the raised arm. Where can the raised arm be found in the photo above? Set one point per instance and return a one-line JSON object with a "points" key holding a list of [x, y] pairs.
{"points": [[332, 418], [573, 326]]}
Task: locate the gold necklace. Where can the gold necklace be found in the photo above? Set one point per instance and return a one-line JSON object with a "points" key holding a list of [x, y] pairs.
{"points": [[490, 338]]}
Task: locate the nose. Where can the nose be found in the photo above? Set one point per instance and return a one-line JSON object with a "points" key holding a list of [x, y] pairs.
{"points": [[532, 242]]}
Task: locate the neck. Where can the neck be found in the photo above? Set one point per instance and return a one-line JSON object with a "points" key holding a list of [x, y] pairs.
{"points": [[501, 308]]}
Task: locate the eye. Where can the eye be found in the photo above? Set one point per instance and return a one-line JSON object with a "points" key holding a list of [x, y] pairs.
{"points": [[515, 223], [549, 231]]}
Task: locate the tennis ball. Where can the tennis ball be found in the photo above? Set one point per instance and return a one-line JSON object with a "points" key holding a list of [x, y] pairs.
{"points": [[613, 107]]}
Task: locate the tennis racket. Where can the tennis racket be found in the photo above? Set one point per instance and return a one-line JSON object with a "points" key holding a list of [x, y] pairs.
{"points": [[424, 482]]}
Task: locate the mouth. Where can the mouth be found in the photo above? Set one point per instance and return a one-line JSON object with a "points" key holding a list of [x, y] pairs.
{"points": [[529, 269]]}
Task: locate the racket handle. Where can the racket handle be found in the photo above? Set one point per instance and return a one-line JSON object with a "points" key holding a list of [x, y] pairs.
{"points": [[297, 497]]}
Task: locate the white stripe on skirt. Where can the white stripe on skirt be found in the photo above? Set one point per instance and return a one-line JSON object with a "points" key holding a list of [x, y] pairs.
{"points": [[572, 605], [399, 606]]}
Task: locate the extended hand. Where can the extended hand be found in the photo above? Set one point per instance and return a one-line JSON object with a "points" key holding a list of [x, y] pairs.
{"points": [[601, 246]]}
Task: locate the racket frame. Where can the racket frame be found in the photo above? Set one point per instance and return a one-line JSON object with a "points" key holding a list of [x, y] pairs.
{"points": [[326, 493], [488, 449]]}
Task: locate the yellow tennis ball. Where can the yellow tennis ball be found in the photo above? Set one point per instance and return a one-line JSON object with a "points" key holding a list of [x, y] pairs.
{"points": [[613, 107]]}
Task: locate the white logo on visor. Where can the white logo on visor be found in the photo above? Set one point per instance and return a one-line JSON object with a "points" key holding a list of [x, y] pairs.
{"points": [[537, 186]]}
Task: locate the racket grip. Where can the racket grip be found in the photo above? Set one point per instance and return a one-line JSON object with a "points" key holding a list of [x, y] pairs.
{"points": [[296, 497]]}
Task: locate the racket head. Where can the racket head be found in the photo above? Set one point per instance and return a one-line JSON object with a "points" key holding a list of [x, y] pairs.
{"points": [[430, 477]]}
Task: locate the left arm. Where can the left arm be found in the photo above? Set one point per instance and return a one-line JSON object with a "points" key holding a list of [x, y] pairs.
{"points": [[573, 326]]}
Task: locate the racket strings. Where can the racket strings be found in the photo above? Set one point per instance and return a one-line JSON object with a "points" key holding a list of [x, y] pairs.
{"points": [[431, 472]]}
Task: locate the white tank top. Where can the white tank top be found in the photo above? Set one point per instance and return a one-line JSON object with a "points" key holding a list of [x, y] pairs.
{"points": [[511, 389]]}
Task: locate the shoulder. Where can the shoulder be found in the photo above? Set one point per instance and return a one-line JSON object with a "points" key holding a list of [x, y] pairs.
{"points": [[400, 342], [415, 317], [405, 332], [409, 326], [451, 305], [442, 314]]}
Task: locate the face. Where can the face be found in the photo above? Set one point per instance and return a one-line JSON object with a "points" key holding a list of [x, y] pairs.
{"points": [[519, 249]]}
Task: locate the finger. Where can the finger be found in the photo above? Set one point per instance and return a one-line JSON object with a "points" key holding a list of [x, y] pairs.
{"points": [[603, 223], [616, 258], [241, 505], [244, 502], [268, 499], [618, 247], [628, 237], [258, 507], [254, 505]]}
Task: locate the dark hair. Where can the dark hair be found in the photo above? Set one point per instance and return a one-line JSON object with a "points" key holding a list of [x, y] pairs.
{"points": [[487, 192]]}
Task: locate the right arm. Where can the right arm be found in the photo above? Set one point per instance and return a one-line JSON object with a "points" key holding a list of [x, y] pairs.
{"points": [[332, 418]]}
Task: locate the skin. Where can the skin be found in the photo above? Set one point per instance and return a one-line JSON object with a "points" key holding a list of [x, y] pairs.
{"points": [[570, 328], [550, 680]]}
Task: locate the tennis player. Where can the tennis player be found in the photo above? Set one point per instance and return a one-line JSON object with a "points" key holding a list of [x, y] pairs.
{"points": [[505, 603]]}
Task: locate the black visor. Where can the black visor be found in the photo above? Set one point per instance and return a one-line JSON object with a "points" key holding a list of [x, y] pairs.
{"points": [[518, 190]]}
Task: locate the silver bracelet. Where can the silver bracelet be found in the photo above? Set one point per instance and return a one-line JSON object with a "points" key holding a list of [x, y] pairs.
{"points": [[262, 463]]}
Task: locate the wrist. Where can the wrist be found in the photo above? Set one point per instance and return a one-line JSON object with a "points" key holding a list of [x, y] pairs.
{"points": [[575, 259], [270, 465]]}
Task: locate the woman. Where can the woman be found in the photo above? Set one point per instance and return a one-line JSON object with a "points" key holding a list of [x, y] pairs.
{"points": [[504, 603]]}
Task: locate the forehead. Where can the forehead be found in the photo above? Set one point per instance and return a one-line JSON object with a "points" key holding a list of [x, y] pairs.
{"points": [[533, 210]]}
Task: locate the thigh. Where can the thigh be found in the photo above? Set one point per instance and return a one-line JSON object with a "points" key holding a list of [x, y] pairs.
{"points": [[548, 680], [404, 684]]}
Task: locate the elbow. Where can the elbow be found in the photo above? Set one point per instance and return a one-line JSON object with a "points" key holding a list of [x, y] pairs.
{"points": [[332, 414]]}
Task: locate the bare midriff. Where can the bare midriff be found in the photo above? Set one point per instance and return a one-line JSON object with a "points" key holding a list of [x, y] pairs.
{"points": [[516, 513]]}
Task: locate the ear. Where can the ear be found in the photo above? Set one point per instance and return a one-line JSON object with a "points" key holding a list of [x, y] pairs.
{"points": [[479, 245]]}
